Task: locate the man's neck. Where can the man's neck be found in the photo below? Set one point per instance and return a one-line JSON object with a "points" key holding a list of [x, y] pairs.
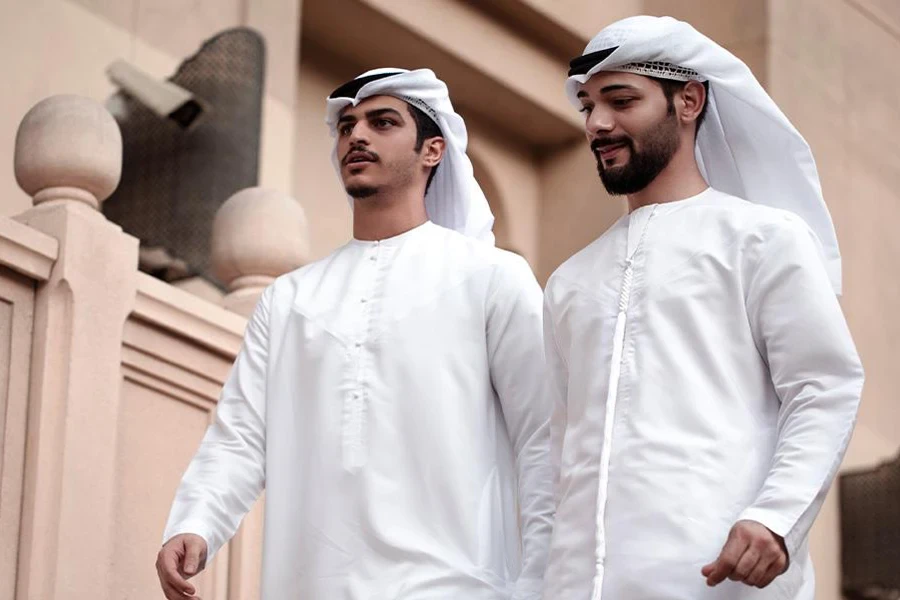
{"points": [[384, 215], [679, 180]]}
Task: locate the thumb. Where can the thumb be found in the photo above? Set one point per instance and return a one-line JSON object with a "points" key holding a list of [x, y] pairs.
{"points": [[726, 562], [191, 556]]}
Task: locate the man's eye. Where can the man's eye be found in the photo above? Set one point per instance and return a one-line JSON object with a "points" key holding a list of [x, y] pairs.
{"points": [[382, 123], [586, 109], [345, 130], [621, 102]]}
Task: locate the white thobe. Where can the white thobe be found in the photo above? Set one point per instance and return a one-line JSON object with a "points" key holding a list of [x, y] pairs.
{"points": [[702, 373], [389, 397]]}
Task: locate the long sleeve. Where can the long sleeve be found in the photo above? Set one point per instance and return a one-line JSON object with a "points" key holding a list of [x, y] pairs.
{"points": [[515, 350], [227, 474], [801, 333], [557, 389]]}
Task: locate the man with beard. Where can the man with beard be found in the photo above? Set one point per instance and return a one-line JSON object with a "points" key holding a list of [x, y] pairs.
{"points": [[704, 379], [390, 396]]}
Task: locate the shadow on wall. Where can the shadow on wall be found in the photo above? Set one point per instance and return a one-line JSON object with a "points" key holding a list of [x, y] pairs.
{"points": [[486, 181]]}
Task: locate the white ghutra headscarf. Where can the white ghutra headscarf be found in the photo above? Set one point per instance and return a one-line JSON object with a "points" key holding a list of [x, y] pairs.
{"points": [[454, 200], [746, 147]]}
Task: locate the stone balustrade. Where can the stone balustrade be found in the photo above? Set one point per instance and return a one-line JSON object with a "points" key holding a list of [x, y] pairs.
{"points": [[112, 376]]}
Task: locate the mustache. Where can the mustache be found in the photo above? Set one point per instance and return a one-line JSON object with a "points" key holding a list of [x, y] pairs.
{"points": [[373, 156], [598, 143]]}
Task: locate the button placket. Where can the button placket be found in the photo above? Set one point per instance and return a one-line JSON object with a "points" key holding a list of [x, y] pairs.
{"points": [[611, 406], [354, 435]]}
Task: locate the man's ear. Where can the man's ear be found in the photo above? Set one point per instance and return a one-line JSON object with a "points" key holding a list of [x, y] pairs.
{"points": [[693, 97], [433, 151]]}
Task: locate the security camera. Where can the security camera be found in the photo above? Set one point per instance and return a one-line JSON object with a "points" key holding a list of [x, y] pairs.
{"points": [[164, 98]]}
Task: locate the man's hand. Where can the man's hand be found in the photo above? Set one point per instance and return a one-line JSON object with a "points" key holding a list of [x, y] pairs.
{"points": [[753, 555], [181, 558]]}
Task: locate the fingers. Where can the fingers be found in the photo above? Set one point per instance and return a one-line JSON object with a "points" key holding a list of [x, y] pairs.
{"points": [[773, 562], [746, 564], [757, 577], [728, 559], [173, 590], [778, 566], [174, 586], [172, 593], [752, 555]]}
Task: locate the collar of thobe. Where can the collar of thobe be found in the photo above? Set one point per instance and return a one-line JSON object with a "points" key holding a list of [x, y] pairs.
{"points": [[398, 239], [454, 199], [746, 146], [672, 205]]}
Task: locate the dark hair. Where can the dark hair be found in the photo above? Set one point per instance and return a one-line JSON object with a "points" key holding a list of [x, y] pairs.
{"points": [[670, 86], [426, 128]]}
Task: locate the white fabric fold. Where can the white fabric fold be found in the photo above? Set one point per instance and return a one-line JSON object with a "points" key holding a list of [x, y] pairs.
{"points": [[454, 200], [746, 146]]}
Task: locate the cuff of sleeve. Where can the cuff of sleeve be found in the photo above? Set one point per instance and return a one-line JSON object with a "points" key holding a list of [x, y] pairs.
{"points": [[777, 524], [195, 528]]}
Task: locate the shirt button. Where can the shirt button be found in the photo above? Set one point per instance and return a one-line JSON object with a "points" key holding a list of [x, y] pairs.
{"points": [[359, 344], [372, 257], [363, 300]]}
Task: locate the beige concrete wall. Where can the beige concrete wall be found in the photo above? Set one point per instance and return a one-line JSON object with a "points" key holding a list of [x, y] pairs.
{"points": [[732, 22], [832, 70], [510, 177], [316, 184], [50, 47], [575, 209], [165, 405], [64, 46], [16, 319], [493, 70]]}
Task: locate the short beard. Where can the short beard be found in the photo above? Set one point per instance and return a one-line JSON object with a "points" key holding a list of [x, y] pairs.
{"points": [[358, 192], [659, 143]]}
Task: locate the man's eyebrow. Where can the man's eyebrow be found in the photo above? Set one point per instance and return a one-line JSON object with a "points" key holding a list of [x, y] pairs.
{"points": [[371, 114], [617, 86], [378, 112]]}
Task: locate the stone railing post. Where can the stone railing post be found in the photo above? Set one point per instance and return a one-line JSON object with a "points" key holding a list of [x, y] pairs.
{"points": [[68, 157], [258, 234]]}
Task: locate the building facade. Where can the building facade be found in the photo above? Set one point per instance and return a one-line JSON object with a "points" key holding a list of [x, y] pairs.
{"points": [[829, 64]]}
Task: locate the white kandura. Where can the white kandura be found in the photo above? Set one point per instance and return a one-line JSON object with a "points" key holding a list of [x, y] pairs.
{"points": [[702, 373], [390, 399]]}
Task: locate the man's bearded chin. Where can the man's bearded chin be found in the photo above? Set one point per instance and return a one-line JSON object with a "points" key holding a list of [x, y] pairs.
{"points": [[658, 145], [358, 192]]}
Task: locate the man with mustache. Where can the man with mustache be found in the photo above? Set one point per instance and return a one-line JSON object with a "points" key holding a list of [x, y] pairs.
{"points": [[390, 396], [704, 379]]}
